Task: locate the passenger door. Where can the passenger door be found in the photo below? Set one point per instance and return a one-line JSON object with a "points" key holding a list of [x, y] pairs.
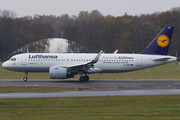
{"points": [[24, 60], [139, 61]]}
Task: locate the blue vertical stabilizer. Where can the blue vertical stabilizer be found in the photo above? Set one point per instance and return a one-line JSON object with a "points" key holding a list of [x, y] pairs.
{"points": [[160, 44]]}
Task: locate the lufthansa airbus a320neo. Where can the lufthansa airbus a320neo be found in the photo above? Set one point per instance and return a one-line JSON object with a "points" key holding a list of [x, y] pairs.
{"points": [[63, 66]]}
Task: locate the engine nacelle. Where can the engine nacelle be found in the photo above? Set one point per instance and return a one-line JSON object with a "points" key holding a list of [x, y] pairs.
{"points": [[58, 72]]}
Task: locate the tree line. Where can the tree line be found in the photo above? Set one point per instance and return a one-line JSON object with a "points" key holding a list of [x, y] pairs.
{"points": [[21, 35], [92, 32], [87, 32]]}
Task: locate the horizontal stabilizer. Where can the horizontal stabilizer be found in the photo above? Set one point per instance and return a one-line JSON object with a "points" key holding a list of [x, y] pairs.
{"points": [[162, 58]]}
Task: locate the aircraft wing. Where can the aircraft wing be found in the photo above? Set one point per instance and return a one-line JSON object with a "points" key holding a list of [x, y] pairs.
{"points": [[87, 67]]}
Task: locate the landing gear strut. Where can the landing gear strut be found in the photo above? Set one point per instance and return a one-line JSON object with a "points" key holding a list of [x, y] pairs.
{"points": [[25, 78], [84, 78]]}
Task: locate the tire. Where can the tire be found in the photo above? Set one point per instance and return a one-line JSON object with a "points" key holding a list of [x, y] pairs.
{"points": [[81, 79], [86, 78], [25, 79]]}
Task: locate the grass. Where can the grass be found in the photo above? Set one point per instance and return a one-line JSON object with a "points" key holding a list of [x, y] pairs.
{"points": [[168, 71], [89, 108], [92, 108]]}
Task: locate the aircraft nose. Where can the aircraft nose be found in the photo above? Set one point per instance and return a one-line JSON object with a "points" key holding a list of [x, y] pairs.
{"points": [[4, 65]]}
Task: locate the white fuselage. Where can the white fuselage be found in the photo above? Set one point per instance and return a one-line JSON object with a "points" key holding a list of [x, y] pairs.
{"points": [[108, 63]]}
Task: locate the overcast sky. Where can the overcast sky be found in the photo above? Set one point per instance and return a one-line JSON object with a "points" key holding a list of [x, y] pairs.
{"points": [[72, 7]]}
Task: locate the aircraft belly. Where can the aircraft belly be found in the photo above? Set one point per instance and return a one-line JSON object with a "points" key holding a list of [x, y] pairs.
{"points": [[29, 69]]}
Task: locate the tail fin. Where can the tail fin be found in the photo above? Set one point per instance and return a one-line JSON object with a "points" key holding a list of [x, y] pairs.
{"points": [[160, 44]]}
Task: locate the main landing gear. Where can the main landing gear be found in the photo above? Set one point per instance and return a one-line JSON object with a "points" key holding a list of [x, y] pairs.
{"points": [[25, 78], [84, 78]]}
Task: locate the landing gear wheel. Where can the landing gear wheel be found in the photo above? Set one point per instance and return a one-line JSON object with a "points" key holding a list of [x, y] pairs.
{"points": [[25, 79], [86, 78], [81, 79]]}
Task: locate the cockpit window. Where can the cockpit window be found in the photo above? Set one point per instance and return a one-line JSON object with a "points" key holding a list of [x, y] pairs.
{"points": [[13, 59]]}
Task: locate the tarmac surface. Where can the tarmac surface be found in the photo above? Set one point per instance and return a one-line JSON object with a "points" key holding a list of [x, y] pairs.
{"points": [[96, 87]]}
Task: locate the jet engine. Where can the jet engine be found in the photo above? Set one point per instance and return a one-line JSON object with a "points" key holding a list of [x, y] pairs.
{"points": [[58, 72]]}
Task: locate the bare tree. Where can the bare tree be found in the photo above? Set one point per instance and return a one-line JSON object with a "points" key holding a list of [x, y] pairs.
{"points": [[8, 14]]}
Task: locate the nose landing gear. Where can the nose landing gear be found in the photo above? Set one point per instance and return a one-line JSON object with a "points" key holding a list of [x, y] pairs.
{"points": [[25, 78]]}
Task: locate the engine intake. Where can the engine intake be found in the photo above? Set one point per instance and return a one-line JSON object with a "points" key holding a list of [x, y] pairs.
{"points": [[58, 72]]}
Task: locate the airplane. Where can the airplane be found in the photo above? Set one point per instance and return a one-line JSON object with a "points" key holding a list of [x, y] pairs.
{"points": [[66, 65]]}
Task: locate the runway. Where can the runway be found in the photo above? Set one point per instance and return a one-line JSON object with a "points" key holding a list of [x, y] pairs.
{"points": [[91, 93], [97, 87]]}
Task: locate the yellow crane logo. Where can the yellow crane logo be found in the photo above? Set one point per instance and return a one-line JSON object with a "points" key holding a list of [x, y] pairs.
{"points": [[163, 40]]}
